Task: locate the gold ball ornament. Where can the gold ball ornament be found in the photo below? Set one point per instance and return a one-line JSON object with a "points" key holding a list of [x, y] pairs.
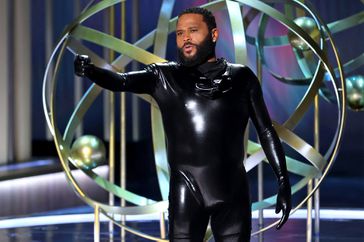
{"points": [[88, 152], [355, 92], [310, 27]]}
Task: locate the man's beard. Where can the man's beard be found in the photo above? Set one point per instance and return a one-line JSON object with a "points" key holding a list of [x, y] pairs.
{"points": [[204, 51]]}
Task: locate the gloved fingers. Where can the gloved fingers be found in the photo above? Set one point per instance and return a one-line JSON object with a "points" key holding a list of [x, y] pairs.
{"points": [[278, 207], [283, 219], [80, 64], [278, 203]]}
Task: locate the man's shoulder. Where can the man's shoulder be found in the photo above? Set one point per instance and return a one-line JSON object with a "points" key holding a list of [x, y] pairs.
{"points": [[236, 69], [237, 66], [161, 67], [242, 74]]}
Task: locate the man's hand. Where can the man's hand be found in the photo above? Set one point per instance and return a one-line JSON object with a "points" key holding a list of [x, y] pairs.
{"points": [[283, 200], [82, 65]]}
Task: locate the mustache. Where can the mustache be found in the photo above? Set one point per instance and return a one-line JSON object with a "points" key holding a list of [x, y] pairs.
{"points": [[188, 43]]}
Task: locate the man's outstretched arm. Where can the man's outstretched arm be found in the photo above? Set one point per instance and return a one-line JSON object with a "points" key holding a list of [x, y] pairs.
{"points": [[271, 145], [137, 81]]}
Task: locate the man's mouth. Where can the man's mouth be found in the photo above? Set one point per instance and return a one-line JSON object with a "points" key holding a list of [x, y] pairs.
{"points": [[188, 48]]}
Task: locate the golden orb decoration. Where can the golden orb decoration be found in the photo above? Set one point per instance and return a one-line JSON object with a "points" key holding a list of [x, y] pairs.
{"points": [[88, 152], [355, 92], [310, 27]]}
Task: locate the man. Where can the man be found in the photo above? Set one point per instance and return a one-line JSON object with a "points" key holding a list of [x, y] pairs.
{"points": [[205, 105]]}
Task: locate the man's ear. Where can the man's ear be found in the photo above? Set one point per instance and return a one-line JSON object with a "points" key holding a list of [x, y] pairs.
{"points": [[214, 34]]}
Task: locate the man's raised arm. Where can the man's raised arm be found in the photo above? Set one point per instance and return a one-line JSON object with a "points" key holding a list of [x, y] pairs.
{"points": [[143, 81]]}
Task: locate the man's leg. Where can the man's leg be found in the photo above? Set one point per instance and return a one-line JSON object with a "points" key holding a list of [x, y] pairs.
{"points": [[232, 222], [187, 217], [241, 237]]}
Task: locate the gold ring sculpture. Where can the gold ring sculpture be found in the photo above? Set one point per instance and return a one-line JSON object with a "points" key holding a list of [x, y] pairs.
{"points": [[318, 165]]}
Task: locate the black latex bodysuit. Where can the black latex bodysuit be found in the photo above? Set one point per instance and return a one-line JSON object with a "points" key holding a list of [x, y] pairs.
{"points": [[204, 122]]}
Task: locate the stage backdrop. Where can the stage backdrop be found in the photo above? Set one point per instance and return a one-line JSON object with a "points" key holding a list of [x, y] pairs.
{"points": [[48, 19]]}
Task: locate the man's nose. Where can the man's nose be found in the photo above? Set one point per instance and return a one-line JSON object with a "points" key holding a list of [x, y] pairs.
{"points": [[186, 37]]}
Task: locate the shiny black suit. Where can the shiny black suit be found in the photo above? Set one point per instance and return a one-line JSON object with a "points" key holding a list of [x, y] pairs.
{"points": [[204, 122]]}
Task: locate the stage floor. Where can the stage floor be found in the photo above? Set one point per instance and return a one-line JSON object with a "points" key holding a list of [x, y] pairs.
{"points": [[342, 213], [54, 228]]}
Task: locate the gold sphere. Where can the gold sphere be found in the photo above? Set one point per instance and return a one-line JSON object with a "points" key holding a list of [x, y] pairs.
{"points": [[88, 152], [355, 92], [310, 27]]}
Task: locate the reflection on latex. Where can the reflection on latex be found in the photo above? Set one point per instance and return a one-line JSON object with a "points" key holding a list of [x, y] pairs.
{"points": [[183, 194], [197, 118]]}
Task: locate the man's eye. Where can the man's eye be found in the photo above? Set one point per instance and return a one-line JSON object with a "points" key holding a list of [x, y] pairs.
{"points": [[193, 30], [179, 33]]}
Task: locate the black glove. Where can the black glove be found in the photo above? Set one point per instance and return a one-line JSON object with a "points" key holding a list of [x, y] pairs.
{"points": [[283, 200], [82, 65]]}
